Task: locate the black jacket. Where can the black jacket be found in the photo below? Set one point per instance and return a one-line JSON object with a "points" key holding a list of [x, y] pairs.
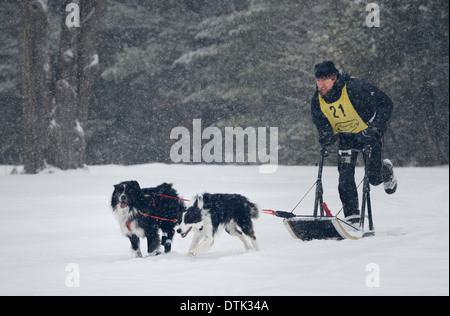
{"points": [[368, 101]]}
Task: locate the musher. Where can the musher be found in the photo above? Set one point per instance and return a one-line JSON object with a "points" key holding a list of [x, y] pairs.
{"points": [[354, 113]]}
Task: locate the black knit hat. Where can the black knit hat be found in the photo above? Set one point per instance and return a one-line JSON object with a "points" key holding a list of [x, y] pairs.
{"points": [[325, 69]]}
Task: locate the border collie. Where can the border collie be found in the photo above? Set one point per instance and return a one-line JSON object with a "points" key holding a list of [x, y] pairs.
{"points": [[141, 213], [208, 214]]}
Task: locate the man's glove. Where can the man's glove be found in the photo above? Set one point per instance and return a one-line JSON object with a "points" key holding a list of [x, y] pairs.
{"points": [[369, 136], [327, 139]]}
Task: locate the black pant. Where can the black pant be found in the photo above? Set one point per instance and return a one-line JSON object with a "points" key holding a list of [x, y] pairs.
{"points": [[346, 167]]}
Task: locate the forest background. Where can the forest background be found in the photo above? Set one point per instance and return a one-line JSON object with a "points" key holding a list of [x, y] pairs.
{"points": [[163, 63]]}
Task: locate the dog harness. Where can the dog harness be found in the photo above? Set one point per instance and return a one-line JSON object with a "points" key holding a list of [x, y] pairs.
{"points": [[342, 115], [129, 225], [154, 205], [151, 216]]}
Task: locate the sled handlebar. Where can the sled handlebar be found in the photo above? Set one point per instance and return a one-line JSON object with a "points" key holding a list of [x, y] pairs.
{"points": [[325, 152]]}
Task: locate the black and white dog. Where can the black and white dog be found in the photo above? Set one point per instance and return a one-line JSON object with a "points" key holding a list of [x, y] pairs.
{"points": [[141, 213], [208, 214]]}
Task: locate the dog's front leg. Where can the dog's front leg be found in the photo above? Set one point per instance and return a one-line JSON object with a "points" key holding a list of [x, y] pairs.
{"points": [[135, 241], [204, 246], [197, 237]]}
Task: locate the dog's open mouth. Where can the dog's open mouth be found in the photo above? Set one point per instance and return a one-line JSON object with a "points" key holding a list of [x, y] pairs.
{"points": [[186, 232], [123, 204]]}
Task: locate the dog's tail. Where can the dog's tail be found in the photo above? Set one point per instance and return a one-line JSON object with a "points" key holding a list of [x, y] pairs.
{"points": [[254, 211]]}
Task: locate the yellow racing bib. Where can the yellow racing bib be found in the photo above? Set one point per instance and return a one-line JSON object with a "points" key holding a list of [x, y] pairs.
{"points": [[342, 115]]}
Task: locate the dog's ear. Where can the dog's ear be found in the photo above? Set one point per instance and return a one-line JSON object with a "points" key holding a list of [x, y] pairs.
{"points": [[135, 188], [135, 185]]}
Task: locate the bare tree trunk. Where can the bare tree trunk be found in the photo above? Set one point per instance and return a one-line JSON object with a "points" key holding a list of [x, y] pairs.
{"points": [[77, 69], [36, 80], [92, 13], [64, 112]]}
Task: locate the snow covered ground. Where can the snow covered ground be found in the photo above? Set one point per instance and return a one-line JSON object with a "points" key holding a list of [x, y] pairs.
{"points": [[59, 237]]}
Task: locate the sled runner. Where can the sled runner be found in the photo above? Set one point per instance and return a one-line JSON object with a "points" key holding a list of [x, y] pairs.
{"points": [[320, 227], [322, 224]]}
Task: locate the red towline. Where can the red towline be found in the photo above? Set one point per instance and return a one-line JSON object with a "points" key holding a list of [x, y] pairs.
{"points": [[325, 208]]}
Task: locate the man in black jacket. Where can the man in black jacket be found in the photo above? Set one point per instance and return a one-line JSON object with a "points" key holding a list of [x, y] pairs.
{"points": [[354, 113]]}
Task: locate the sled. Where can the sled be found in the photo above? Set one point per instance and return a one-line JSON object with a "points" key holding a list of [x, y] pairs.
{"points": [[322, 225], [310, 228]]}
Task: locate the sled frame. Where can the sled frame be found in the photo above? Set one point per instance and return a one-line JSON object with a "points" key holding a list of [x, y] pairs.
{"points": [[320, 226]]}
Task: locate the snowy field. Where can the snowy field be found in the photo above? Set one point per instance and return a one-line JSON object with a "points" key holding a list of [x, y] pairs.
{"points": [[58, 237]]}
